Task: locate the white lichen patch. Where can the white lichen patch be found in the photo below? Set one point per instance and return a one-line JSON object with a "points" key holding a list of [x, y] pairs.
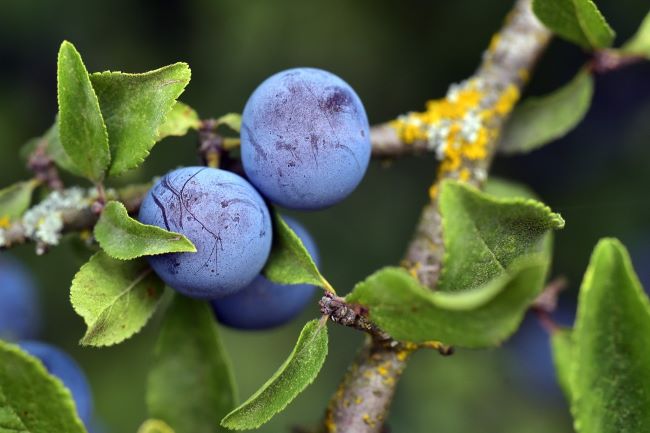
{"points": [[44, 222]]}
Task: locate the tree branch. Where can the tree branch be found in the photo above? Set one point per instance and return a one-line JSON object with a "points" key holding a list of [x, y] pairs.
{"points": [[506, 65], [69, 210], [362, 400], [463, 129]]}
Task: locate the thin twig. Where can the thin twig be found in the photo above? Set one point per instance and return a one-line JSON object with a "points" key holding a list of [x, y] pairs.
{"points": [[547, 300], [608, 60], [77, 211], [43, 167]]}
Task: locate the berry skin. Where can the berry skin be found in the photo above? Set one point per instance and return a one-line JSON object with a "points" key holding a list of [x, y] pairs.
{"points": [[19, 305], [263, 304], [305, 139], [61, 365], [225, 218]]}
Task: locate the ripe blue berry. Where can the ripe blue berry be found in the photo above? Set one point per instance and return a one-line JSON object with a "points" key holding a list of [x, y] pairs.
{"points": [[61, 365], [263, 304], [305, 140], [223, 216], [19, 306]]}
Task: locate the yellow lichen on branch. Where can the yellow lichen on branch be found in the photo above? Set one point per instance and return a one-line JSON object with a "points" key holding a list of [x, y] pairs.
{"points": [[459, 127]]}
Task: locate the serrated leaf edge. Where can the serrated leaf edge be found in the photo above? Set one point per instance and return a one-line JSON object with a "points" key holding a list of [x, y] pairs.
{"points": [[321, 327], [84, 341], [95, 102], [618, 248], [601, 18], [555, 219], [40, 367], [160, 230], [149, 146]]}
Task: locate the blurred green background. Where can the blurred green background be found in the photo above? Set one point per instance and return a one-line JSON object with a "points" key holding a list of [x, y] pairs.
{"points": [[396, 55]]}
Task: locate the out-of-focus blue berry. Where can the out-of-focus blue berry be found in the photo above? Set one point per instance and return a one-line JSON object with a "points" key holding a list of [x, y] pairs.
{"points": [[20, 316], [531, 350]]}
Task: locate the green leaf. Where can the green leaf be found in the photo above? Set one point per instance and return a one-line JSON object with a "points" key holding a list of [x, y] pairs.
{"points": [[541, 120], [191, 362], [58, 154], [508, 189], [497, 255], [14, 200], [81, 126], [32, 400], [298, 371], [135, 106], [179, 121], [639, 44], [562, 345], [125, 238], [289, 261], [231, 120], [114, 297], [578, 21], [481, 317], [611, 374], [484, 235], [155, 426]]}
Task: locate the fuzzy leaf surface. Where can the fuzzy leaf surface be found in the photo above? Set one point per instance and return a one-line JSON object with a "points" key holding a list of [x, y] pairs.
{"points": [[116, 298], [31, 399], [484, 235], [125, 238], [82, 130], [481, 317], [295, 374], [289, 261], [134, 106], [611, 373]]}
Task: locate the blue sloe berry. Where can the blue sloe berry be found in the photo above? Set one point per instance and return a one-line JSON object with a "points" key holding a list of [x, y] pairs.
{"points": [[225, 218], [20, 316], [305, 139], [264, 304]]}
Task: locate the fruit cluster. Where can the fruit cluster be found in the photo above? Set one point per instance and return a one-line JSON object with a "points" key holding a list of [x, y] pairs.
{"points": [[305, 145]]}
